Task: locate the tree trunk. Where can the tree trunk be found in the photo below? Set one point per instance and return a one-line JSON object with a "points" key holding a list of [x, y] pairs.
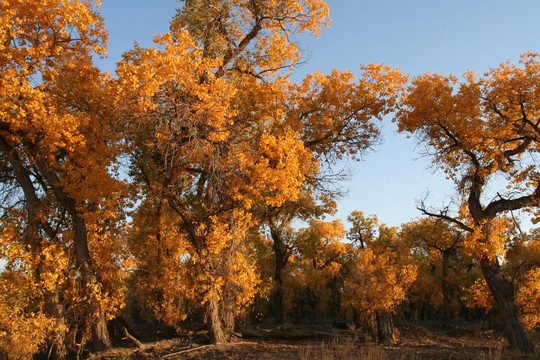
{"points": [[52, 299], [227, 312], [446, 290], [56, 310], [335, 285], [385, 328], [98, 321], [503, 292], [281, 259], [100, 334], [215, 328]]}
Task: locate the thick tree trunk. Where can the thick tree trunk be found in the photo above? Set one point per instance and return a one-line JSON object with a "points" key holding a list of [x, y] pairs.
{"points": [[56, 310], [227, 312], [100, 332], [385, 328], [215, 328], [503, 293], [279, 316], [98, 321]]}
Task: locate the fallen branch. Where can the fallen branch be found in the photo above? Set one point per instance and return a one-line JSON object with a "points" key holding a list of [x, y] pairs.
{"points": [[187, 350], [130, 337]]}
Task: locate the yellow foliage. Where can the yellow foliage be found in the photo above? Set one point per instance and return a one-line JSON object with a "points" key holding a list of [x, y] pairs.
{"points": [[478, 295], [528, 298], [24, 327], [381, 275]]}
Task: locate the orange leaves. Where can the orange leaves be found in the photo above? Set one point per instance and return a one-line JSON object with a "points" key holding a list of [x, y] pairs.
{"points": [[277, 168], [177, 65], [480, 120], [24, 327], [335, 114], [321, 246], [382, 270], [480, 132], [528, 297], [251, 35]]}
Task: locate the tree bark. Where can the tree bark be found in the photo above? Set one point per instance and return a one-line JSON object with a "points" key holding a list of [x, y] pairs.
{"points": [[385, 328], [227, 312], [503, 293], [215, 328], [447, 315], [281, 259], [52, 299], [98, 322], [56, 309]]}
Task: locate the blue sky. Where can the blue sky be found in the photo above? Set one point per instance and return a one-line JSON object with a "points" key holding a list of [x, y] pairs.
{"points": [[445, 37]]}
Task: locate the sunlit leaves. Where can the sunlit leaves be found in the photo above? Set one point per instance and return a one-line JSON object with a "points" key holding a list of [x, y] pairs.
{"points": [[481, 131], [382, 273]]}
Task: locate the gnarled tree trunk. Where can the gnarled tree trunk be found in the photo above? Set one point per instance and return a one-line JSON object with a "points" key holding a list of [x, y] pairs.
{"points": [[503, 292], [385, 328], [213, 320]]}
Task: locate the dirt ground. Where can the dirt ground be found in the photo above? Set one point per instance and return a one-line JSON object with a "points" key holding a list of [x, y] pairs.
{"points": [[314, 342]]}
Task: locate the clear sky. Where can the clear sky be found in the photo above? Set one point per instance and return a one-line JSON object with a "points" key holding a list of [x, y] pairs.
{"points": [[440, 36]]}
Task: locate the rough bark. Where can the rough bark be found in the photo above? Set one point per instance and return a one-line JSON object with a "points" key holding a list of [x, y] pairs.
{"points": [[56, 309], [227, 312], [385, 328], [503, 293], [215, 328]]}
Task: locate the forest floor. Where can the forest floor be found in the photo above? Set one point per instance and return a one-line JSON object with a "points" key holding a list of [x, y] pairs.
{"points": [[323, 342]]}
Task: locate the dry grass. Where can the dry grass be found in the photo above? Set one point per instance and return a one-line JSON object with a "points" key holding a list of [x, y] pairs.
{"points": [[342, 349]]}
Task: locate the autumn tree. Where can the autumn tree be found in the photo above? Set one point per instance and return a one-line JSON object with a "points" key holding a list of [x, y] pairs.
{"points": [[217, 116], [441, 242], [57, 143], [335, 116], [319, 252], [381, 276], [363, 228], [484, 133], [214, 131]]}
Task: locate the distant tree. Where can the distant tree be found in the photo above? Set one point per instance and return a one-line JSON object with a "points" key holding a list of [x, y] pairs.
{"points": [[363, 228], [441, 242], [320, 253], [380, 277]]}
